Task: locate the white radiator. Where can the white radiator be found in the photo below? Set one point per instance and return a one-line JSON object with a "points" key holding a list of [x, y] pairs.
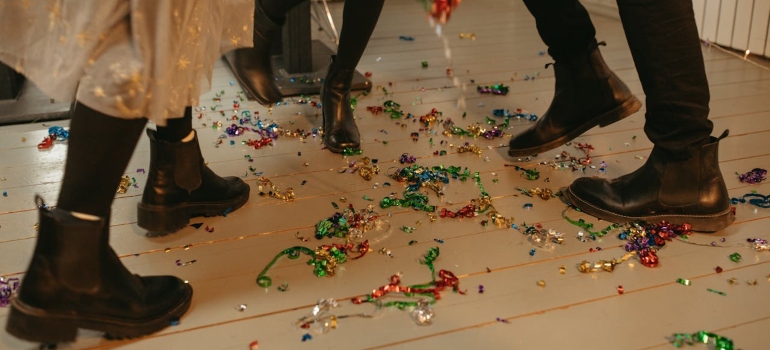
{"points": [[738, 24]]}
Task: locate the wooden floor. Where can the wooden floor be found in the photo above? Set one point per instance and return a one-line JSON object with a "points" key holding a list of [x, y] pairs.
{"points": [[573, 310]]}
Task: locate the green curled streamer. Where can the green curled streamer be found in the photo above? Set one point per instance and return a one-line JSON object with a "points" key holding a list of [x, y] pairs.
{"points": [[719, 342], [587, 225], [430, 256], [293, 253]]}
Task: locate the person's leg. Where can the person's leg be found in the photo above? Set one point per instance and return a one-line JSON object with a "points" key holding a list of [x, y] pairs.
{"points": [[98, 152], [75, 280], [668, 58], [179, 183], [359, 19], [564, 25], [587, 93], [681, 181], [252, 66]]}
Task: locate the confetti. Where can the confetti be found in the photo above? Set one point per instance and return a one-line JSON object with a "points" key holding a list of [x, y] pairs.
{"points": [[717, 342], [716, 292]]}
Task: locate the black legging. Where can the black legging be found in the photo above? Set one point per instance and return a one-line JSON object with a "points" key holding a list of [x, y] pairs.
{"points": [[359, 18], [666, 49]]}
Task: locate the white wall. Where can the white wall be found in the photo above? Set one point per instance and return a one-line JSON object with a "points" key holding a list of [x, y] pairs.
{"points": [[739, 24]]}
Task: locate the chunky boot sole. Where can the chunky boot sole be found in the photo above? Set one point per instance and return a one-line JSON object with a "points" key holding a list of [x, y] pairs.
{"points": [[629, 107], [700, 223], [37, 325], [168, 219]]}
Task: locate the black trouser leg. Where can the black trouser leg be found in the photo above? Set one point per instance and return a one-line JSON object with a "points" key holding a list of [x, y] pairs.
{"points": [[358, 21], [564, 25], [664, 43], [99, 149]]}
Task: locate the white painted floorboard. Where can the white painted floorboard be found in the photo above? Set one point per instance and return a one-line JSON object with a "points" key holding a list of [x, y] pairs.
{"points": [[572, 311]]}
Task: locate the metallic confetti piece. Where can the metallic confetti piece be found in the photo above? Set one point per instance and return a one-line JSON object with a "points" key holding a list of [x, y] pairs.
{"points": [[282, 288], [439, 240], [502, 320], [683, 281], [716, 342], [541, 283], [735, 257], [241, 307], [562, 269], [306, 337], [620, 290], [254, 345], [422, 313], [716, 292]]}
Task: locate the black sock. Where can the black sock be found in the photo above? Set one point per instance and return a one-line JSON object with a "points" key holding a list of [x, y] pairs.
{"points": [[177, 128]]}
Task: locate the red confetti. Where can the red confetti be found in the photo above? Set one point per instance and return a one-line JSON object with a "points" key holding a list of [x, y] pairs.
{"points": [[620, 289], [368, 74], [47, 142], [209, 229], [718, 269]]}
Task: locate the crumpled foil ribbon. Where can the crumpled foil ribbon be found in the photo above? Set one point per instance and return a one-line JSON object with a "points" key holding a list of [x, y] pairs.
{"points": [[125, 183], [274, 191], [718, 342], [759, 244], [753, 199], [324, 259], [544, 193], [365, 168], [496, 89], [350, 224], [603, 265], [756, 175], [8, 288], [431, 291]]}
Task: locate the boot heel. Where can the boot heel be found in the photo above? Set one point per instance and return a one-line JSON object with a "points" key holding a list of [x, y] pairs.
{"points": [[628, 108], [33, 325], [160, 219]]}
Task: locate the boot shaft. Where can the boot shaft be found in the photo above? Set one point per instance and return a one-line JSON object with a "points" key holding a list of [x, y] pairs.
{"points": [[66, 257], [692, 176], [175, 170], [338, 79]]}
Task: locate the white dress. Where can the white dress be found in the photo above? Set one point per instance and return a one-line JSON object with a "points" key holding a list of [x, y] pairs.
{"points": [[124, 58]]}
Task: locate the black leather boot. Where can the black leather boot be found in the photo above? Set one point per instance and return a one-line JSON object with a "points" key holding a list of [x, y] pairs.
{"points": [[340, 130], [587, 94], [666, 188], [75, 280], [180, 186], [253, 66]]}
